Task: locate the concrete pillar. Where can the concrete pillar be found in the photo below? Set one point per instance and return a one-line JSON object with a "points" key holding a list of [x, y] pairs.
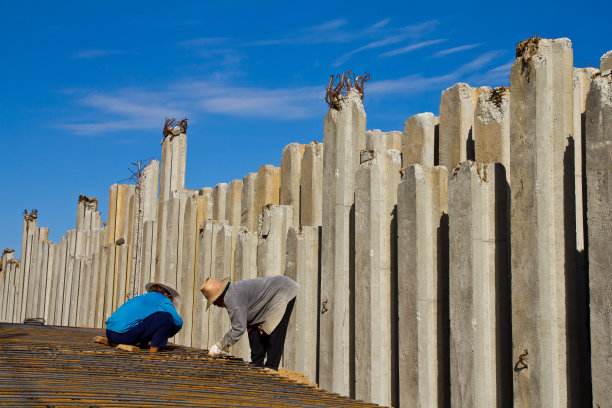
{"points": [[220, 267], [492, 126], [167, 266], [383, 141], [248, 211], [419, 140], [311, 185], [599, 193], [110, 254], [186, 279], [303, 267], [8, 256], [34, 279], [376, 184], [219, 201], [479, 291], [205, 204], [543, 225], [91, 293], [267, 187], [290, 177], [28, 259], [78, 266], [173, 163], [11, 314], [344, 137], [233, 202], [86, 207], [274, 224], [203, 270], [245, 267], [99, 317], [68, 275], [456, 119], [112, 212], [61, 277], [423, 330], [56, 272], [605, 62], [47, 257]]}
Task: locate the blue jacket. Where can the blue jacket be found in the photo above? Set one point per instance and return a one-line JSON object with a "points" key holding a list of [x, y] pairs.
{"points": [[138, 308]]}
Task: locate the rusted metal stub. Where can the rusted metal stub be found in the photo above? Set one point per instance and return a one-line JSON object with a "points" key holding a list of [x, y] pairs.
{"points": [[31, 216], [340, 85], [62, 366]]}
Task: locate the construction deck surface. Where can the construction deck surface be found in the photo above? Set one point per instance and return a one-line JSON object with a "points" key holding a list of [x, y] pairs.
{"points": [[51, 366]]}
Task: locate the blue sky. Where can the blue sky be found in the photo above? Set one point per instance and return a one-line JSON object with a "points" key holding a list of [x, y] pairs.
{"points": [[85, 86]]}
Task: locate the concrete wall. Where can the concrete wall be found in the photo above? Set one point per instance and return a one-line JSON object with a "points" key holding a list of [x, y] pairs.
{"points": [[416, 288]]}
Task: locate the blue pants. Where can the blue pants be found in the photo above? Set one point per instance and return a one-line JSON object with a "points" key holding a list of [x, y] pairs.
{"points": [[156, 329]]}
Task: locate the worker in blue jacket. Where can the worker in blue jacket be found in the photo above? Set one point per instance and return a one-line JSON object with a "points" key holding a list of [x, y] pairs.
{"points": [[151, 317]]}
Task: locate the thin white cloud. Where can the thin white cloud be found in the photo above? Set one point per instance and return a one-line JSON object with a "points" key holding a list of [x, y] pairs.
{"points": [[380, 24], [421, 29], [95, 53], [503, 68], [455, 49], [412, 47], [375, 44], [327, 32]]}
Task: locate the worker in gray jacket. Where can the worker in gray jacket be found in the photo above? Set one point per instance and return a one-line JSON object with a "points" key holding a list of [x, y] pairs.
{"points": [[261, 306]]}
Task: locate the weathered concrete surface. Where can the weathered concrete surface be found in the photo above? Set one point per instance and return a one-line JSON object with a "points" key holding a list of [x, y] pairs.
{"points": [[290, 172], [344, 137], [376, 184], [303, 267], [598, 171], [205, 204], [605, 62], [86, 208], [233, 202], [383, 141], [219, 201], [274, 224], [267, 187], [492, 126], [456, 119], [423, 331], [204, 261], [223, 237], [248, 211], [419, 138], [68, 275], [543, 226], [245, 267], [479, 298], [59, 291], [173, 163], [311, 185], [102, 270], [187, 273]]}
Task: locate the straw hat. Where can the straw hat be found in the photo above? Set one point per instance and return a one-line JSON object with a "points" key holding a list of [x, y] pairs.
{"points": [[176, 298], [212, 289]]}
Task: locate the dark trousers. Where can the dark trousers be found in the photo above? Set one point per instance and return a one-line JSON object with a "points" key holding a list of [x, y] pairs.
{"points": [[272, 344], [156, 329]]}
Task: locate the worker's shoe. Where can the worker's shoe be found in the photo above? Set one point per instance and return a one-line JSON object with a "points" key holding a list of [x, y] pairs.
{"points": [[101, 340]]}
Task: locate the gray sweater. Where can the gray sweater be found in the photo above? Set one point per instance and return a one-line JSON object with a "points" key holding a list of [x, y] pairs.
{"points": [[260, 301]]}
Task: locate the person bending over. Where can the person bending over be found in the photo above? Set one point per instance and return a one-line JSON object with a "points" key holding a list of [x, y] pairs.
{"points": [[151, 317], [262, 306]]}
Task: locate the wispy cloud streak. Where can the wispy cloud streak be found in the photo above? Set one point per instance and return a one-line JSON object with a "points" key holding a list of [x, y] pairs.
{"points": [[455, 49], [412, 47]]}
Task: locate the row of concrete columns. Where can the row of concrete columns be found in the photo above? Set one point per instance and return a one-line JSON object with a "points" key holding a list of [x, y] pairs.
{"points": [[448, 264]]}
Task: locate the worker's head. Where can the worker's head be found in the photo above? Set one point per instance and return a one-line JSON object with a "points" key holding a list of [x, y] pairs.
{"points": [[165, 290], [214, 291]]}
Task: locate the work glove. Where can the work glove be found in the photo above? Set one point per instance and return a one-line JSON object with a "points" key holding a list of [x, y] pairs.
{"points": [[214, 351]]}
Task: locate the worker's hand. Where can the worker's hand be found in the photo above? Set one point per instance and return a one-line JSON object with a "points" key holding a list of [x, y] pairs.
{"points": [[214, 351]]}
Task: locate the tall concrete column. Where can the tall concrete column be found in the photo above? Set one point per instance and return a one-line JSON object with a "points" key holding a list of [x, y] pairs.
{"points": [[376, 184], [186, 278], [7, 255], [233, 202], [303, 267], [223, 237], [599, 193], [31, 242], [93, 291], [245, 267], [344, 137], [267, 187], [61, 276], [383, 141], [86, 207], [203, 270], [274, 224], [492, 126], [99, 317], [479, 295], [167, 241], [605, 62], [78, 266], [219, 201], [68, 275], [11, 313], [423, 329], [248, 209], [46, 266], [173, 163], [419, 139], [311, 185], [290, 177], [543, 226], [456, 119]]}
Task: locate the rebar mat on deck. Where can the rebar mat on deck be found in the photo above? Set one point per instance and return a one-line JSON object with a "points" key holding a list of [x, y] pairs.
{"points": [[51, 366]]}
